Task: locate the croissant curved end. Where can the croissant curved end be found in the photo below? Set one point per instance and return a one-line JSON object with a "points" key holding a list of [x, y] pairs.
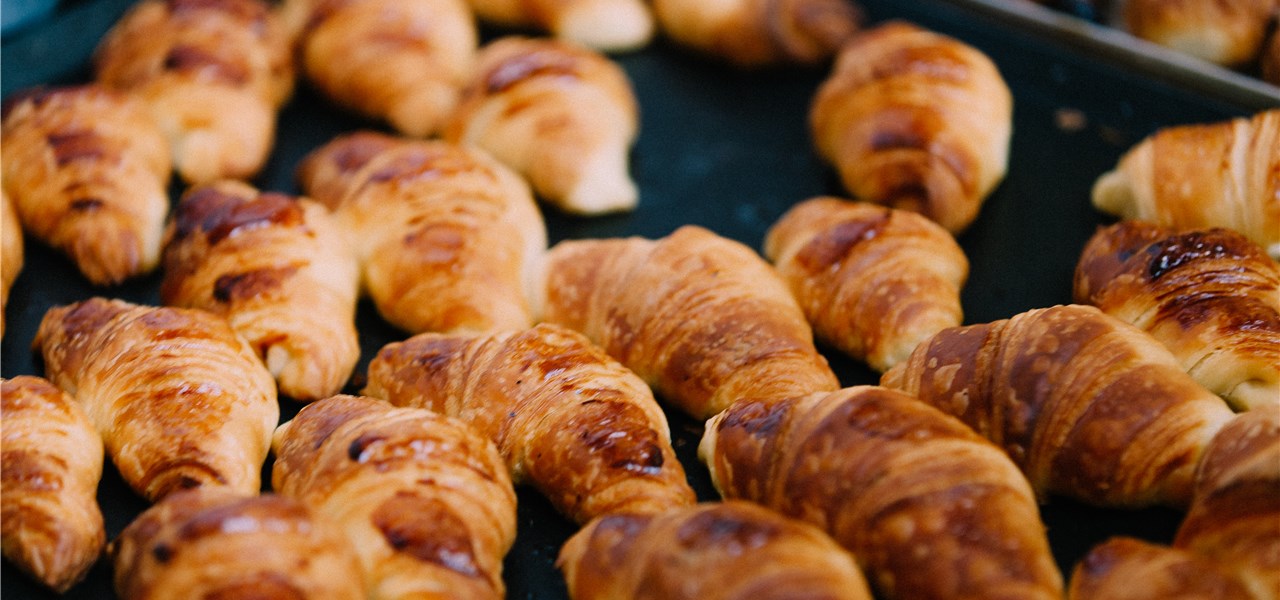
{"points": [[1113, 193], [610, 26], [603, 186]]}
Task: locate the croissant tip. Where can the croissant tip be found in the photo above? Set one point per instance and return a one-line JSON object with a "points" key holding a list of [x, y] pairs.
{"points": [[610, 26]]}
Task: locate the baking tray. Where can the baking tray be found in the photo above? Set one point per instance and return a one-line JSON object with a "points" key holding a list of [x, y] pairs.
{"points": [[730, 151]]}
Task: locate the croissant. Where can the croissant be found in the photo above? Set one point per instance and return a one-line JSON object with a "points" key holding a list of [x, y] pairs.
{"points": [[448, 239], [402, 61], [11, 255], [278, 268], [701, 318], [1225, 32], [915, 120], [712, 551], [1211, 296], [424, 499], [1270, 63], [756, 33], [605, 25], [1193, 176], [52, 526], [567, 418], [218, 543], [563, 116], [1087, 405], [872, 280], [179, 399], [1130, 569], [87, 171], [887, 476], [212, 74]]}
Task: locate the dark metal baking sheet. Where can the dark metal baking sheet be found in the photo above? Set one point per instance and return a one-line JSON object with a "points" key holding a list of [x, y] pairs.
{"points": [[730, 151]]}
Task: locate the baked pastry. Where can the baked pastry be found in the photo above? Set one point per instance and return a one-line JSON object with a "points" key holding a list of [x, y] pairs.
{"points": [[873, 281], [279, 269], [1226, 32], [212, 73], [701, 318], [11, 254], [1113, 570], [52, 526], [219, 543], [929, 508], [1219, 174], [712, 551], [1270, 62], [561, 115], [915, 120], [180, 400], [566, 417], [424, 499], [400, 61], [448, 239], [605, 25], [1211, 296], [87, 169], [1087, 405], [756, 33]]}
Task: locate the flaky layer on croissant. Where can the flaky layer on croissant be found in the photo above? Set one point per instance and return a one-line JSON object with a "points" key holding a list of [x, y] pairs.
{"points": [[605, 25], [701, 318], [1226, 32], [1222, 174], [11, 251], [448, 239], [218, 543], [754, 33], [929, 508], [281, 272], [87, 169], [713, 551], [402, 61], [52, 461], [562, 115], [1131, 569], [1087, 405], [212, 75], [915, 120], [872, 280], [1211, 296], [424, 499], [180, 400], [568, 418]]}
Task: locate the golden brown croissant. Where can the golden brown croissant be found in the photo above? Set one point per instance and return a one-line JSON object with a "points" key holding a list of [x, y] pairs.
{"points": [[1130, 569], [87, 169], [424, 499], [1225, 32], [563, 116], [606, 25], [929, 508], [52, 527], [217, 543], [11, 251], [1270, 63], [713, 551], [701, 318], [1211, 296], [1087, 405], [279, 269], [1220, 174], [568, 418], [212, 73], [755, 33], [179, 399], [872, 280], [402, 61], [448, 239], [915, 120]]}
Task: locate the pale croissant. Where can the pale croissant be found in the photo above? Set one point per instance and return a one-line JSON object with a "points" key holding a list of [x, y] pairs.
{"points": [[1225, 32], [755, 33], [605, 25], [11, 251]]}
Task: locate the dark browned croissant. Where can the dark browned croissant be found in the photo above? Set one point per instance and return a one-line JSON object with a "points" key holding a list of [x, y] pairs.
{"points": [[281, 272], [448, 238], [872, 280], [568, 418], [180, 400], [11, 251], [606, 25], [1271, 60], [754, 33], [1129, 569], [713, 551], [929, 508], [701, 318], [1211, 296], [424, 499], [213, 74], [1225, 32], [1087, 405], [915, 120], [213, 543], [86, 169], [52, 526]]}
